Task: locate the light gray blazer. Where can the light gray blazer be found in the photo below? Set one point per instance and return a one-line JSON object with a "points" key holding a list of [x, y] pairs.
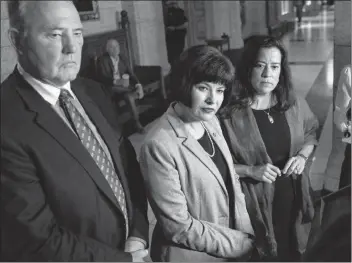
{"points": [[188, 196]]}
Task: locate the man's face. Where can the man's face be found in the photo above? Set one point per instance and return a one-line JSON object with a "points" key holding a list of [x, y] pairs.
{"points": [[115, 49], [52, 46]]}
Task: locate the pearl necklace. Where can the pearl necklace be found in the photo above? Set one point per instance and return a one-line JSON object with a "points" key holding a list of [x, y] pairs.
{"points": [[211, 141]]}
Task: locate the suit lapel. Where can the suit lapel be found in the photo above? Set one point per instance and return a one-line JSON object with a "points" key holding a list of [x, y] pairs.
{"points": [[194, 147], [49, 120]]}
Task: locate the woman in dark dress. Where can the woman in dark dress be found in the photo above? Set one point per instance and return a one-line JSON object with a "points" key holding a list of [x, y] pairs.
{"points": [[271, 133]]}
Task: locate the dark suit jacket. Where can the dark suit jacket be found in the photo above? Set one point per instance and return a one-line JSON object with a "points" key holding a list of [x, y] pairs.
{"points": [[55, 203], [105, 70]]}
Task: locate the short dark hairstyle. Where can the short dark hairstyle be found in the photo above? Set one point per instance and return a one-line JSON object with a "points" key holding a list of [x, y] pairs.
{"points": [[198, 64], [244, 92]]}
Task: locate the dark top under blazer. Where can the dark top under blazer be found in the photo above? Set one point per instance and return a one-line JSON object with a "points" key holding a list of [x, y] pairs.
{"points": [[55, 203]]}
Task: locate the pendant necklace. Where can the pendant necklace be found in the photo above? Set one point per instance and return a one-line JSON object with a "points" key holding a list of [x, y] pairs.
{"points": [[271, 119]]}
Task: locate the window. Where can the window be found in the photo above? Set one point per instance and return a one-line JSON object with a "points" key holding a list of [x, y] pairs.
{"points": [[285, 7]]}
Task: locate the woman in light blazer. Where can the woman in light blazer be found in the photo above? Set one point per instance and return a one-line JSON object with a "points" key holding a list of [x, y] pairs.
{"points": [[192, 186]]}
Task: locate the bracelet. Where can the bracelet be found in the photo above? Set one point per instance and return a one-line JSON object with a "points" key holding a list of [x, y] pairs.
{"points": [[304, 157]]}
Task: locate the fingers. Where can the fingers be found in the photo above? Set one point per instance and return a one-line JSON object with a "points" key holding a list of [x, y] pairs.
{"points": [[267, 173], [294, 165], [274, 169], [288, 165]]}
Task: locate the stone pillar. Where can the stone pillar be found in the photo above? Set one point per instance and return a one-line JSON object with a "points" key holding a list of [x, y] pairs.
{"points": [[147, 32]]}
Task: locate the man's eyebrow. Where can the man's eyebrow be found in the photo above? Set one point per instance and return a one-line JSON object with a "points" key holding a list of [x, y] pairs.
{"points": [[63, 28]]}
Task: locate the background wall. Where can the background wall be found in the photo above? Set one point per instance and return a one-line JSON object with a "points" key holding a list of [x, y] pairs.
{"points": [[148, 37]]}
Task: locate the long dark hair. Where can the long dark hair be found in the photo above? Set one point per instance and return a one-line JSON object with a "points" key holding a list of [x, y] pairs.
{"points": [[243, 92]]}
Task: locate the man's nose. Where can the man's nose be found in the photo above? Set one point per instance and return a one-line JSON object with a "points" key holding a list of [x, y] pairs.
{"points": [[69, 45]]}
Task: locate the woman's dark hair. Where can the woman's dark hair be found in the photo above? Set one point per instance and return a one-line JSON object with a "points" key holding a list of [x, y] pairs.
{"points": [[200, 64], [243, 92]]}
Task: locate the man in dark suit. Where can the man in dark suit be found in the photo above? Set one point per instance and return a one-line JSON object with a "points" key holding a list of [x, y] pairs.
{"points": [[69, 182], [111, 69]]}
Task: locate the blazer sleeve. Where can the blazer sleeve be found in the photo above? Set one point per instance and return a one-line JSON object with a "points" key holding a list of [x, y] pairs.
{"points": [[310, 123], [27, 222], [170, 207], [140, 225]]}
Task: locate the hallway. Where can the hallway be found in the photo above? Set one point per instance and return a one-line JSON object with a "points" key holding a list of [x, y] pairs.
{"points": [[311, 47]]}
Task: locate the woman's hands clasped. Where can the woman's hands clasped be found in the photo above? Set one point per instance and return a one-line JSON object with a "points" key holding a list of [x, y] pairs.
{"points": [[266, 173]]}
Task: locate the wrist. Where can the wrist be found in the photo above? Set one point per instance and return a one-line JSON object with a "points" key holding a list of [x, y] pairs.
{"points": [[303, 156]]}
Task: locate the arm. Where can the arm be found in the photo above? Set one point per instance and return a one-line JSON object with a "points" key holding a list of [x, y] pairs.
{"points": [[140, 225], [170, 206], [297, 163], [342, 99], [29, 230], [266, 173]]}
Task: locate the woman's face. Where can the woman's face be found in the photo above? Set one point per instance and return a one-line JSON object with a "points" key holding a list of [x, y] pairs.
{"points": [[207, 98], [266, 71]]}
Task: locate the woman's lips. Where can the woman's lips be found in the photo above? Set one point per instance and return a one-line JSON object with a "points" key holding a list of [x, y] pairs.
{"points": [[208, 110]]}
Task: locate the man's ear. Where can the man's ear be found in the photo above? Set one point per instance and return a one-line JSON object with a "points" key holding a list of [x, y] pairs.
{"points": [[15, 39]]}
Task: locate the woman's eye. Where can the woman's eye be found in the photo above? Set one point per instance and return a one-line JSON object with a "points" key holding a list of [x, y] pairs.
{"points": [[221, 91], [202, 88]]}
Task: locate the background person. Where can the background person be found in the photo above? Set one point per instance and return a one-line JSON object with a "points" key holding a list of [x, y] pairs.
{"points": [[111, 67], [272, 133], [65, 195], [190, 179], [176, 29], [342, 120]]}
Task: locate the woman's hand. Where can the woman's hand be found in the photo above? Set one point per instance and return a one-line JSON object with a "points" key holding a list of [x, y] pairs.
{"points": [[295, 165], [266, 173]]}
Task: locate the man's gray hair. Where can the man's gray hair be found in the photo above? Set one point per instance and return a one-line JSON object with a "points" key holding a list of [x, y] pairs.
{"points": [[17, 10]]}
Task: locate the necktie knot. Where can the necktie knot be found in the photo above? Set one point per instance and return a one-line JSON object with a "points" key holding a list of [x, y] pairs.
{"points": [[65, 95]]}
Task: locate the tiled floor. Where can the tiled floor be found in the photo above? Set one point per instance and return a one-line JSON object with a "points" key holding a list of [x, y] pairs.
{"points": [[310, 49]]}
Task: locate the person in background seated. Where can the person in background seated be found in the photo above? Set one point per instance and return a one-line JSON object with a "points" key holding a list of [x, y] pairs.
{"points": [[70, 188], [191, 183], [112, 67], [342, 120], [272, 133]]}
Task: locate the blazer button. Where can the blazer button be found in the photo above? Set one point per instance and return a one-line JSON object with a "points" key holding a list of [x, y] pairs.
{"points": [[214, 134]]}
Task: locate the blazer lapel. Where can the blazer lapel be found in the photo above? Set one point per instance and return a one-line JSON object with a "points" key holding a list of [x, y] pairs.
{"points": [[49, 120], [194, 147]]}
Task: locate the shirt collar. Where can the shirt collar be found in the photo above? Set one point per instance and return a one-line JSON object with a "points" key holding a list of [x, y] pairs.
{"points": [[49, 92]]}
